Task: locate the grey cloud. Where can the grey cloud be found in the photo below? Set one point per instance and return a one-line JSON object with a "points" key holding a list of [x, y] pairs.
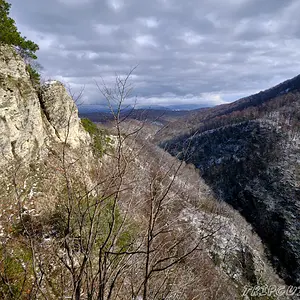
{"points": [[256, 8], [211, 48]]}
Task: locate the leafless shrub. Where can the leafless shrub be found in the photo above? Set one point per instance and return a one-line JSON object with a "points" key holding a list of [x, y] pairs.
{"points": [[76, 226]]}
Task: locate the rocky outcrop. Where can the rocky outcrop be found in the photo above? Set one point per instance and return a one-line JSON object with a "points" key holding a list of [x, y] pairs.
{"points": [[62, 113], [30, 121], [21, 123]]}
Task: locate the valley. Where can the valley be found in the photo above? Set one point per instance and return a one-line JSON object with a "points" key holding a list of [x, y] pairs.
{"points": [[248, 152]]}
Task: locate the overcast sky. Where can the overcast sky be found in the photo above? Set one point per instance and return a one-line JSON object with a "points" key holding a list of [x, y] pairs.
{"points": [[202, 52]]}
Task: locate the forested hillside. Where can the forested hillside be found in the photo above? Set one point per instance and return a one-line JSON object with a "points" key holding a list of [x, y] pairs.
{"points": [[248, 152]]}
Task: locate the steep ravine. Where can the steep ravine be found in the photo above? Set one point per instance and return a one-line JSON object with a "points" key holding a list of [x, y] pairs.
{"points": [[45, 148], [254, 166]]}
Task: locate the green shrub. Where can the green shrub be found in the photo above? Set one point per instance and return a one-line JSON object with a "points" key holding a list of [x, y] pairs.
{"points": [[16, 271], [92, 217], [101, 142], [35, 77], [89, 126], [10, 35]]}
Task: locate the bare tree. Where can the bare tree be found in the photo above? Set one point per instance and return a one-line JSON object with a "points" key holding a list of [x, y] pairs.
{"points": [[111, 231]]}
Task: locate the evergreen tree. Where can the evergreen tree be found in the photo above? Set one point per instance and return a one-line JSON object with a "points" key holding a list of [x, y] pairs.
{"points": [[10, 35]]}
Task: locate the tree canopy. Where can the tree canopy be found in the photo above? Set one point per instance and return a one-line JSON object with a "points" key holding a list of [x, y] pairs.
{"points": [[10, 35]]}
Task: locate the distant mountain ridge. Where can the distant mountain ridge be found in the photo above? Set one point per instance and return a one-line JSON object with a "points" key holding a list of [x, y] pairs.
{"points": [[282, 88], [211, 117], [95, 108], [164, 116]]}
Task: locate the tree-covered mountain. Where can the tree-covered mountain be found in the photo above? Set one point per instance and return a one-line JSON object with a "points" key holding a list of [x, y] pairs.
{"points": [[248, 152]]}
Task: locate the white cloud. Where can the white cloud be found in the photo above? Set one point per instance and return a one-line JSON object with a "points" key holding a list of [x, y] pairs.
{"points": [[170, 99], [103, 29], [146, 40], [213, 98], [116, 5], [150, 22], [192, 38]]}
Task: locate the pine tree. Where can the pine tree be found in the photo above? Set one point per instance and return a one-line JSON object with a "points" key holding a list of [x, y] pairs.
{"points": [[10, 35]]}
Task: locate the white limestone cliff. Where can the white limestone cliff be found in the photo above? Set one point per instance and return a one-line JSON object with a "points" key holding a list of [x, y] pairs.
{"points": [[31, 121]]}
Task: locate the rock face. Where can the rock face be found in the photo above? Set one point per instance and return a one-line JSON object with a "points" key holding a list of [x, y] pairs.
{"points": [[21, 122], [61, 112], [255, 166], [29, 121]]}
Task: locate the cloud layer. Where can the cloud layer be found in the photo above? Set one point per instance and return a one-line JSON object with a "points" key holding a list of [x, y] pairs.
{"points": [[188, 52]]}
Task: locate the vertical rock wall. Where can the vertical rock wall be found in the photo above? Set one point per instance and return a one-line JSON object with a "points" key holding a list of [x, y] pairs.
{"points": [[28, 121]]}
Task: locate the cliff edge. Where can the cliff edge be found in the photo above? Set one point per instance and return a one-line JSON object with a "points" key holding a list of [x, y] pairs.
{"points": [[30, 119]]}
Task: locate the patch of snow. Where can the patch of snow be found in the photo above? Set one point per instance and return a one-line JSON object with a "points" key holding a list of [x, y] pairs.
{"points": [[50, 82], [284, 92]]}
